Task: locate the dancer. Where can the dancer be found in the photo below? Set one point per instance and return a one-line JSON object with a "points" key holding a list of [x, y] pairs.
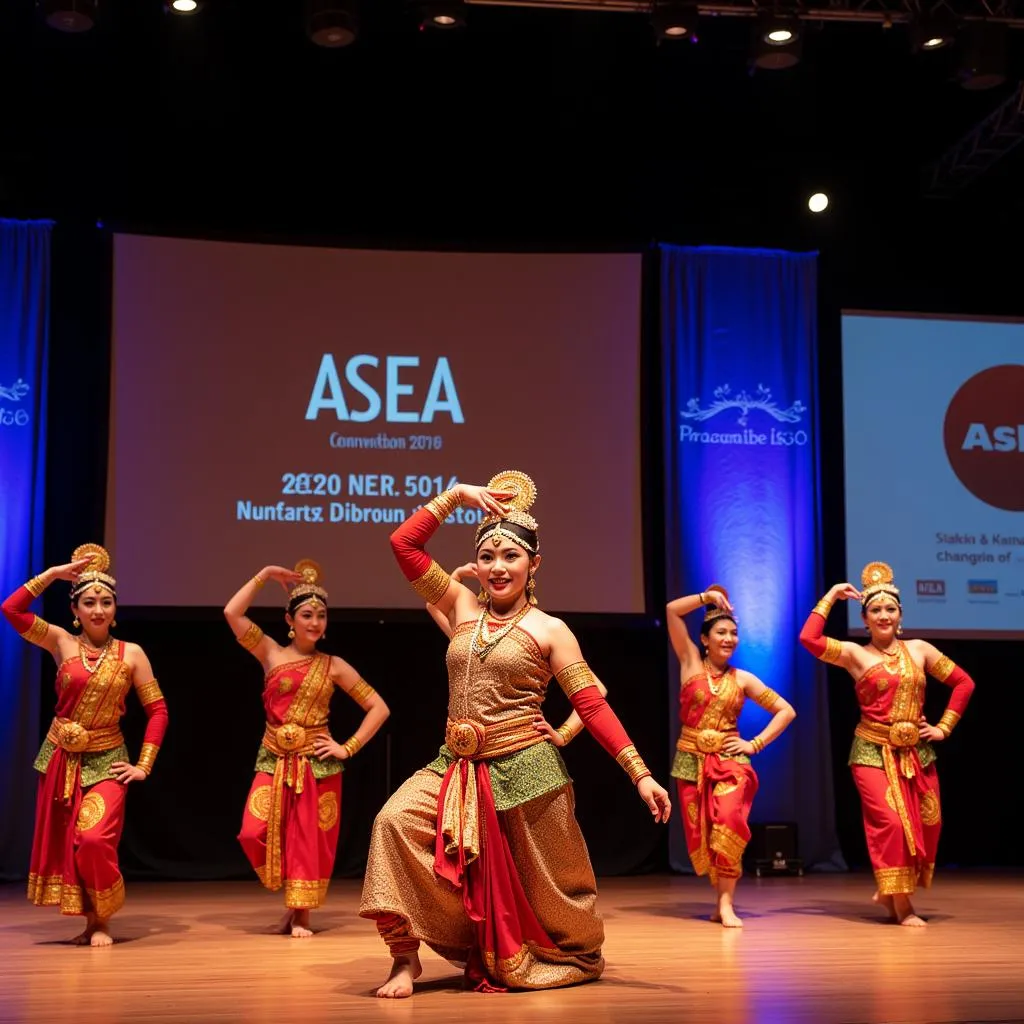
{"points": [[892, 758], [293, 811], [479, 854], [714, 777], [83, 760]]}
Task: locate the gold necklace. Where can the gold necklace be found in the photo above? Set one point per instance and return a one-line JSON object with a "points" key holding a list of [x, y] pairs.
{"points": [[84, 653], [707, 675], [484, 641]]}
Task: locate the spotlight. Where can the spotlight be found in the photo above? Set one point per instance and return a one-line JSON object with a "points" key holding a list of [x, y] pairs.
{"points": [[983, 65], [444, 14], [183, 6], [674, 19], [332, 23], [777, 43], [70, 15], [818, 202], [933, 30]]}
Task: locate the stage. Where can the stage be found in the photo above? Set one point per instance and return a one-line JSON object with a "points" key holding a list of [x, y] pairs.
{"points": [[813, 949]]}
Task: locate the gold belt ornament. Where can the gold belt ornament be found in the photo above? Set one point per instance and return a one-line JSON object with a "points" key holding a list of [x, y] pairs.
{"points": [[76, 739], [896, 734], [703, 741], [472, 740], [291, 738]]}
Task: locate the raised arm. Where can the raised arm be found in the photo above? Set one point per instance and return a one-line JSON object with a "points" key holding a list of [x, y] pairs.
{"points": [[148, 691], [346, 678], [580, 686], [946, 671], [812, 636], [31, 627], [446, 623], [781, 710], [247, 633], [409, 541], [682, 643]]}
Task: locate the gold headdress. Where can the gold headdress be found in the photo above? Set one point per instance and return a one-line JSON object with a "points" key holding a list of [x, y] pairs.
{"points": [[712, 611], [95, 573], [309, 590], [876, 581], [524, 494]]}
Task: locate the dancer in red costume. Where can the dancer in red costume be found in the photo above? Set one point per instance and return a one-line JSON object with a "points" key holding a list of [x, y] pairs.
{"points": [[84, 762], [479, 854], [293, 811], [892, 757], [714, 777]]}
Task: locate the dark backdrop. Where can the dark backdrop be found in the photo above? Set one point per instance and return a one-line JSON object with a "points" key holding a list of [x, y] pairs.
{"points": [[182, 822]]}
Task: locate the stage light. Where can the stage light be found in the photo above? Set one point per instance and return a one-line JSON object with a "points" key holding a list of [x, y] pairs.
{"points": [[673, 19], [777, 42], [70, 15], [442, 14], [183, 6], [818, 202], [932, 31], [332, 23]]}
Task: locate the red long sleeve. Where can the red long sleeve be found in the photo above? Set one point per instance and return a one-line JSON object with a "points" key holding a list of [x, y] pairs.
{"points": [[16, 612], [600, 720], [812, 635], [156, 722], [963, 688], [408, 542]]}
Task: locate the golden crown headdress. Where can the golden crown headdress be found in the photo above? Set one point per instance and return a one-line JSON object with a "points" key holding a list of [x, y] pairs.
{"points": [[95, 573], [712, 611], [524, 494], [877, 579], [309, 590]]}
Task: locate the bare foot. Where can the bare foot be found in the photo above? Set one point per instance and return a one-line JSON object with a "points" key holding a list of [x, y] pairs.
{"points": [[886, 902], [716, 917], [404, 971], [101, 937], [94, 934], [726, 914], [300, 924], [905, 915]]}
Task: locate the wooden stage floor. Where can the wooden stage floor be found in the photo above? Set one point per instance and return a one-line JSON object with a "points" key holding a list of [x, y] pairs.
{"points": [[813, 949]]}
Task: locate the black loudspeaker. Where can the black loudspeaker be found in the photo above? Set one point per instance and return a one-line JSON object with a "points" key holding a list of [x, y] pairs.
{"points": [[773, 849]]}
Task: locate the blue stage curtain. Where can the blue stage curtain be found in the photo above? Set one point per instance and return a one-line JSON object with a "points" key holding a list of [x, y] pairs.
{"points": [[24, 315], [742, 486]]}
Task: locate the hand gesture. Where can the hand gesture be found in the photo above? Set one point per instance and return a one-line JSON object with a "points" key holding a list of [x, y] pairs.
{"points": [[324, 746], [125, 772], [845, 591], [734, 745], [71, 570], [474, 496], [656, 798], [281, 574], [930, 732], [552, 735], [469, 569], [718, 599]]}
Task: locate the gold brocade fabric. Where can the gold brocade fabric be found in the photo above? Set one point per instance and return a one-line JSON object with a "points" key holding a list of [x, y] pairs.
{"points": [[553, 865], [95, 767], [712, 712]]}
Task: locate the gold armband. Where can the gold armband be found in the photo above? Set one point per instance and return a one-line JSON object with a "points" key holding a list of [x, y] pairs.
{"points": [[149, 692], [432, 584], [361, 692], [147, 757], [942, 669], [443, 505], [946, 723], [258, 580], [37, 585], [833, 651], [352, 745], [37, 631], [766, 698], [565, 731], [632, 763], [575, 677], [823, 607], [251, 638]]}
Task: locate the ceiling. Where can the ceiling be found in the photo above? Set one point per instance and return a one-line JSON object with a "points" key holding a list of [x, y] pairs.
{"points": [[538, 120]]}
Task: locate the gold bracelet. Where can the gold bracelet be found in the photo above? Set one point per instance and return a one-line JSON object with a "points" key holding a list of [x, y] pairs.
{"points": [[565, 731], [443, 505], [758, 744], [258, 580], [823, 607], [352, 745], [37, 585], [632, 763], [147, 757], [946, 723]]}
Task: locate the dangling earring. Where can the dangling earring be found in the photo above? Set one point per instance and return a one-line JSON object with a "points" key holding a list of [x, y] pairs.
{"points": [[531, 586], [113, 623], [76, 623], [291, 634], [899, 629], [482, 598]]}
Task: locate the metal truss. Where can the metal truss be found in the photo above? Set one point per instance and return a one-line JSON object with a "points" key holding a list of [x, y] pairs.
{"points": [[987, 142], [883, 12]]}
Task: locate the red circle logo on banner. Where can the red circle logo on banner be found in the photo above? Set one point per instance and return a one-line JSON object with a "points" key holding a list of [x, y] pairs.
{"points": [[984, 436]]}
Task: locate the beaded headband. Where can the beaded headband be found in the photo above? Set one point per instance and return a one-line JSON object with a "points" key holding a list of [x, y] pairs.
{"points": [[308, 591], [516, 521], [95, 574], [877, 581], [712, 611]]}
